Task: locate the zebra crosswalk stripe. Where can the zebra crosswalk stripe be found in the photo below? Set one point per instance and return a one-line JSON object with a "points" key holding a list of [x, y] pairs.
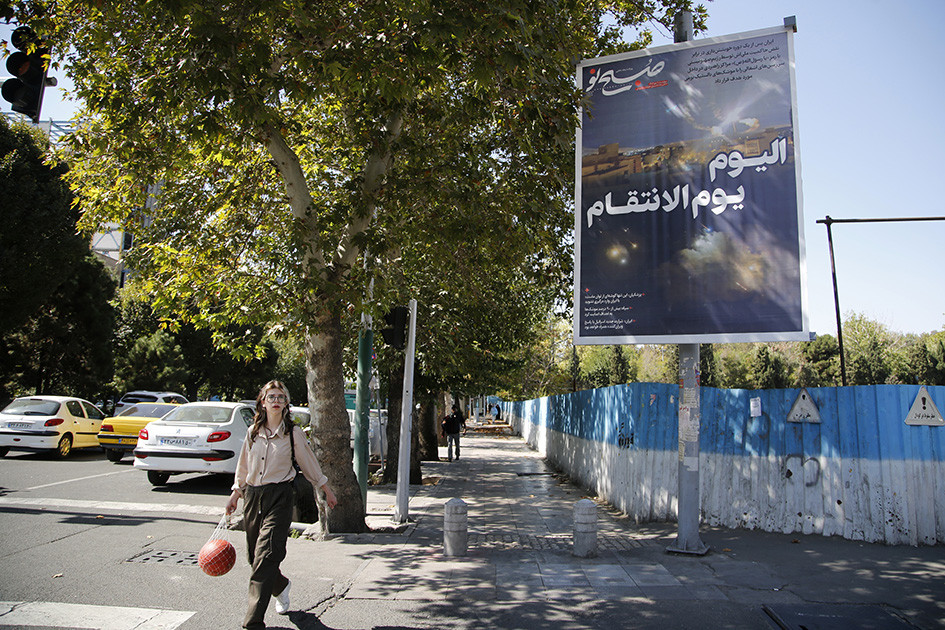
{"points": [[118, 506], [53, 615]]}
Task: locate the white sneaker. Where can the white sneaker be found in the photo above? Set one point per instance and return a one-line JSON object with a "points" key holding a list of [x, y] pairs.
{"points": [[282, 600]]}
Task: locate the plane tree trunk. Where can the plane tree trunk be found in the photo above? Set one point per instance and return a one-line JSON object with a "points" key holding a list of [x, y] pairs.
{"points": [[331, 431]]}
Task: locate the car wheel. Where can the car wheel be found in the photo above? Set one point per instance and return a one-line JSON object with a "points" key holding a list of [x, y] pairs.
{"points": [[113, 455], [4, 450], [65, 446], [158, 478]]}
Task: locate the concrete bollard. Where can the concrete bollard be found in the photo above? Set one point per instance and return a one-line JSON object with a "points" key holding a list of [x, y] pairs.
{"points": [[585, 529], [455, 528]]}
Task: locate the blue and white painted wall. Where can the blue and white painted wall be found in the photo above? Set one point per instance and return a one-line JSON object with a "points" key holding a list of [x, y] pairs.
{"points": [[861, 472]]}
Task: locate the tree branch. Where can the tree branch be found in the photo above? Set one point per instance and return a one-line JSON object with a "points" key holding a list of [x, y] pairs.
{"points": [[375, 172], [296, 187]]}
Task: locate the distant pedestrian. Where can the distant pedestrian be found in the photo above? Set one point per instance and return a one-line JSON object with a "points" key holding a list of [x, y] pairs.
{"points": [[264, 474], [498, 413], [451, 427]]}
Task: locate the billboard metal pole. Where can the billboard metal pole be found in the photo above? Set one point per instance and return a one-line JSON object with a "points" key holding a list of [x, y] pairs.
{"points": [[690, 413]]}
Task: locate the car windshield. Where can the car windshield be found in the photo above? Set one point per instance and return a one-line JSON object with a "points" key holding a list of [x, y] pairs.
{"points": [[153, 410], [136, 398], [32, 407], [201, 413]]}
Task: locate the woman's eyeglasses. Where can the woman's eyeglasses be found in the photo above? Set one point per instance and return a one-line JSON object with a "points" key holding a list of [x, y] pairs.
{"points": [[276, 398]]}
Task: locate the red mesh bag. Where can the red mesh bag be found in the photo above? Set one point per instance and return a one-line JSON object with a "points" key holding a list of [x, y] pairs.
{"points": [[218, 555]]}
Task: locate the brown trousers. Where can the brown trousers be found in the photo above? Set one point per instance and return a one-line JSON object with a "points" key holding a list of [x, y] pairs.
{"points": [[267, 514]]}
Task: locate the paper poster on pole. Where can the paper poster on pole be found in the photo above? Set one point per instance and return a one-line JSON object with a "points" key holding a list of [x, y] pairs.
{"points": [[688, 213]]}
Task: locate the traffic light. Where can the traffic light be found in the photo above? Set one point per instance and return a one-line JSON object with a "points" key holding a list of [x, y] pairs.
{"points": [[28, 67], [396, 332]]}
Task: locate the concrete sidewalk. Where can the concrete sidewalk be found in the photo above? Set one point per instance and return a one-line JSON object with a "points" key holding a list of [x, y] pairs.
{"points": [[520, 572]]}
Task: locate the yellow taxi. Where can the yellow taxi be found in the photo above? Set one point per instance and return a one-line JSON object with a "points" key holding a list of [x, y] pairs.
{"points": [[119, 434]]}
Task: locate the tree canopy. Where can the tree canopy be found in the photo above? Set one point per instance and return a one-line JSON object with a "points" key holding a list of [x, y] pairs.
{"points": [[55, 320], [65, 346], [39, 244], [304, 148]]}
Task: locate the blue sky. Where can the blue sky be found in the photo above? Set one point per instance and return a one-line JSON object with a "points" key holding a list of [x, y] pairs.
{"points": [[871, 140], [872, 144]]}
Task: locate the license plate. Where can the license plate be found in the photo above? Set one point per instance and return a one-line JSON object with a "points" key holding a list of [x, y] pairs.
{"points": [[176, 441], [21, 425]]}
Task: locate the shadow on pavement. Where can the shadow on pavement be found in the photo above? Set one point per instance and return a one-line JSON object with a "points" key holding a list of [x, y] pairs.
{"points": [[195, 483]]}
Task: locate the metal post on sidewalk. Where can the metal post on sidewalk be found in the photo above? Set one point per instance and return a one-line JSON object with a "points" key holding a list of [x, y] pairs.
{"points": [[401, 510]]}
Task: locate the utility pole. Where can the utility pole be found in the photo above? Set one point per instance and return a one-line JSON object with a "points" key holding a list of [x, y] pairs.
{"points": [[828, 221], [836, 300]]}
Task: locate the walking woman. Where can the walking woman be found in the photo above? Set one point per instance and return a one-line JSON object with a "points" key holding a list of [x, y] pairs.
{"points": [[264, 476]]}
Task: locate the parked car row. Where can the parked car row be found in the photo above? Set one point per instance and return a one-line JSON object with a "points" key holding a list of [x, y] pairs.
{"points": [[166, 438], [64, 423]]}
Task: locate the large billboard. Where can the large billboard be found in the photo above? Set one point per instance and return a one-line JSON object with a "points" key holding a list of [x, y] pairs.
{"points": [[688, 218]]}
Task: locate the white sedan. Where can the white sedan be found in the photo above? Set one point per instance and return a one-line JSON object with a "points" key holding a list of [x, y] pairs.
{"points": [[201, 437], [49, 423]]}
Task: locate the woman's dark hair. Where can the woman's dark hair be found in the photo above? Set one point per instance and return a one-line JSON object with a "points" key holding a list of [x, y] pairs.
{"points": [[260, 418]]}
